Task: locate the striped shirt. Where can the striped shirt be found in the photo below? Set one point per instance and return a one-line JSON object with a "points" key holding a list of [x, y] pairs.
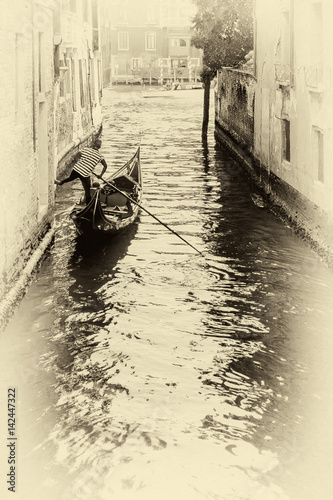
{"points": [[88, 161]]}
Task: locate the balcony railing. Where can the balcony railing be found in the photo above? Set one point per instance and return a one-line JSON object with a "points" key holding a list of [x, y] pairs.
{"points": [[282, 73], [313, 76]]}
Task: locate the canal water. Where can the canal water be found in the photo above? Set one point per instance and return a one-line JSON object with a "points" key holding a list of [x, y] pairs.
{"points": [[144, 370]]}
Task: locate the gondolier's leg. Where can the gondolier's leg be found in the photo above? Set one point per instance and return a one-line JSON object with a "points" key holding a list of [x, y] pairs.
{"points": [[73, 175], [86, 184]]}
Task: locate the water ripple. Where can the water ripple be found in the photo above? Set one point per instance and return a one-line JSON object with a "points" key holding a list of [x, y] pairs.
{"points": [[159, 371]]}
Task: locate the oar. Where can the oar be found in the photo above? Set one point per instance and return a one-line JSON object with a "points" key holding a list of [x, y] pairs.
{"points": [[147, 211]]}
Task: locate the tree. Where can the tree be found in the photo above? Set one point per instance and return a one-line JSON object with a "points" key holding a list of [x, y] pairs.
{"points": [[223, 29]]}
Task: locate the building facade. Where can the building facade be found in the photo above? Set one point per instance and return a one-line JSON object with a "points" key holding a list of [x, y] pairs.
{"points": [[105, 39], [50, 96], [78, 78], [27, 133], [294, 95], [288, 102], [150, 41]]}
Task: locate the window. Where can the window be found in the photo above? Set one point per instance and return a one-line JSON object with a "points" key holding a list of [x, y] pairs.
{"points": [[62, 80], [92, 79], [136, 63], [82, 100], [73, 85], [95, 25], [41, 69], [99, 79], [68, 76], [283, 68], [177, 42], [151, 40], [286, 140], [194, 61], [123, 40], [43, 159], [318, 152], [19, 79]]}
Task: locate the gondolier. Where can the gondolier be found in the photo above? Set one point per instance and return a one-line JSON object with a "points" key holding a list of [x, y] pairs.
{"points": [[113, 207], [90, 157]]}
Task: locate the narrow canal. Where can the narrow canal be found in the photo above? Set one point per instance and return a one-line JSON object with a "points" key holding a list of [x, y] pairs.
{"points": [[145, 371]]}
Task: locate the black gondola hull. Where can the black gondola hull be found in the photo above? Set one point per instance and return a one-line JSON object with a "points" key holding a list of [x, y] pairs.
{"points": [[102, 216]]}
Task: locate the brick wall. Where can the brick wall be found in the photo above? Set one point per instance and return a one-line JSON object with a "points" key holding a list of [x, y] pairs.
{"points": [[234, 105]]}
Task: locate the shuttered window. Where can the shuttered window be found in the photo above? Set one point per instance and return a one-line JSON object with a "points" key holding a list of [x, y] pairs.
{"points": [[123, 40], [151, 40]]}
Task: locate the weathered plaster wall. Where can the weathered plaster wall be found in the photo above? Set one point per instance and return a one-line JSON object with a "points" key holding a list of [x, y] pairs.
{"points": [[27, 183], [244, 132]]}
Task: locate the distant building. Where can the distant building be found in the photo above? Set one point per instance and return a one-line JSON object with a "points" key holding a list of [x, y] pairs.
{"points": [[150, 41], [283, 114], [105, 39]]}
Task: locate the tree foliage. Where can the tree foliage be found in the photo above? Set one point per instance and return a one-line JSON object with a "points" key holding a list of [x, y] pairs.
{"points": [[223, 29]]}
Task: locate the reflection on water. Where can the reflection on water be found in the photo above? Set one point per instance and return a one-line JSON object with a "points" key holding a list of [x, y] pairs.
{"points": [[147, 371]]}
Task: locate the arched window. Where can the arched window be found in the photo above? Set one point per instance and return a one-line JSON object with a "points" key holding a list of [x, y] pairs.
{"points": [[182, 43]]}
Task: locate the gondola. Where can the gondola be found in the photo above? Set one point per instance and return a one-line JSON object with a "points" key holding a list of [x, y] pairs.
{"points": [[109, 212], [160, 92], [165, 92]]}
